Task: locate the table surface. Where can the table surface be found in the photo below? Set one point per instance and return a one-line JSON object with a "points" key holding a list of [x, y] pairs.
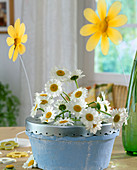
{"points": [[119, 159]]}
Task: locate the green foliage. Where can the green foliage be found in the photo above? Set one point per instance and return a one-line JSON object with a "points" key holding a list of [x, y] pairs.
{"points": [[9, 106]]}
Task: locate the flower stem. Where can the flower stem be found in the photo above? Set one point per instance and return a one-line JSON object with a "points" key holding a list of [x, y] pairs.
{"points": [[104, 112], [61, 114], [41, 109], [27, 79], [76, 84], [74, 119], [67, 95], [91, 103], [63, 98]]}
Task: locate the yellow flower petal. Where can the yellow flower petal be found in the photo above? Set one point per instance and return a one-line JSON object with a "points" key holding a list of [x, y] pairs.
{"points": [[22, 29], [104, 44], [17, 25], [93, 41], [114, 10], [88, 29], [10, 41], [118, 21], [11, 31], [102, 9], [11, 51], [15, 54], [21, 49], [114, 35], [24, 38], [91, 16]]}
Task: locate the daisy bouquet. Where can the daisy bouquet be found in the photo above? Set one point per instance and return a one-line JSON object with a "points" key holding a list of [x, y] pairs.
{"points": [[57, 108]]}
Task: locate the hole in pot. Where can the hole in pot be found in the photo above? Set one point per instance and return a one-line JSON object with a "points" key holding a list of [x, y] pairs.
{"points": [[94, 135], [46, 133], [36, 131], [105, 134], [59, 133], [110, 131], [100, 133], [87, 133], [73, 135]]}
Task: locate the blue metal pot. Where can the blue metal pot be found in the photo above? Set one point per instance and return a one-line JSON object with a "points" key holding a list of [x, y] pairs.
{"points": [[72, 153]]}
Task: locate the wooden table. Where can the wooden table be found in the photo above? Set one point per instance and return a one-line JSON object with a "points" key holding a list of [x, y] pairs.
{"points": [[119, 160]]}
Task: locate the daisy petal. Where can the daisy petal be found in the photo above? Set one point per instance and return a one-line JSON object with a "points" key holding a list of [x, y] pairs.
{"points": [[15, 54], [10, 41], [102, 9], [22, 29], [104, 44], [88, 29], [114, 35], [114, 10], [118, 21], [21, 49], [11, 31], [11, 51], [93, 41], [91, 16], [17, 25], [24, 38]]}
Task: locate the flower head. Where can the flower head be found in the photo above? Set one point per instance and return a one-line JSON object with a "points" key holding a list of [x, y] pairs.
{"points": [[76, 107], [60, 73], [119, 116], [64, 122], [17, 37], [44, 98], [75, 75], [60, 106], [30, 163], [102, 26], [80, 93], [48, 115], [35, 107], [53, 87]]}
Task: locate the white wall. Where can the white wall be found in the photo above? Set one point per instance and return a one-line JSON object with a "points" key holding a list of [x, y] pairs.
{"points": [[9, 71]]}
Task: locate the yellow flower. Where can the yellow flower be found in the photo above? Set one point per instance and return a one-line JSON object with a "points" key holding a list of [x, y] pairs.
{"points": [[17, 37], [102, 26]]}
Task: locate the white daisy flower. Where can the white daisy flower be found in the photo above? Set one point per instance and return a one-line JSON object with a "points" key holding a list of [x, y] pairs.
{"points": [[80, 93], [64, 122], [53, 87], [35, 107], [95, 126], [60, 106], [30, 163], [118, 117], [100, 104], [48, 115], [75, 75], [91, 119], [76, 107], [45, 99], [60, 73]]}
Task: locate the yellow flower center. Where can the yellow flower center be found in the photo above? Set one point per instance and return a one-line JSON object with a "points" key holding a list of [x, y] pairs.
{"points": [[31, 163], [43, 95], [36, 107], [89, 117], [17, 41], [44, 102], [60, 73], [63, 121], [94, 125], [54, 87], [77, 108], [78, 94], [48, 115], [103, 25], [9, 166], [116, 118]]}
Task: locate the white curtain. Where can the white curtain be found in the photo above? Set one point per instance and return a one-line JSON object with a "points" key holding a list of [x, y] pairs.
{"points": [[51, 26]]}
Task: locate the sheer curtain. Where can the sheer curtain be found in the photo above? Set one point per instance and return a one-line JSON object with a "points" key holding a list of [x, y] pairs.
{"points": [[51, 26]]}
